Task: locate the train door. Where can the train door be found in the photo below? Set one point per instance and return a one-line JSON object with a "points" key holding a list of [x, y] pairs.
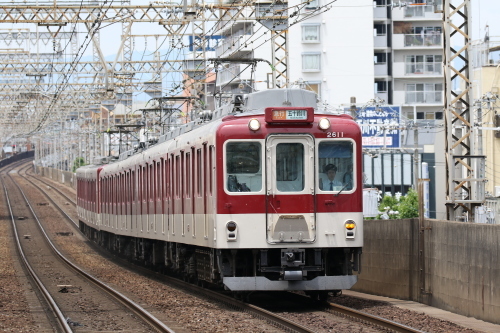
{"points": [[290, 183]]}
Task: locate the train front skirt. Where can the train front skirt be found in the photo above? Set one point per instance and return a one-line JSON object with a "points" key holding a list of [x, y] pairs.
{"points": [[326, 283]]}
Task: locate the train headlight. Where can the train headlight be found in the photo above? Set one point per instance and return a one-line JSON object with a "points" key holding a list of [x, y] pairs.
{"points": [[231, 231], [254, 124], [350, 229], [231, 226], [324, 123]]}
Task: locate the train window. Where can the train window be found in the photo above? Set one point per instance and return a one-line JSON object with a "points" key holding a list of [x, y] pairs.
{"points": [[335, 163], [188, 175], [290, 167], [151, 183], [211, 169], [159, 180], [243, 166], [198, 172], [177, 175]]}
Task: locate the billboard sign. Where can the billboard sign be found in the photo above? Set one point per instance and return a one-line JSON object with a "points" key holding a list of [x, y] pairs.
{"points": [[380, 126], [210, 42]]}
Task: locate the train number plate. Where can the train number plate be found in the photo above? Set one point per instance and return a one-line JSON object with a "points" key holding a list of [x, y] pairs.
{"points": [[289, 114]]}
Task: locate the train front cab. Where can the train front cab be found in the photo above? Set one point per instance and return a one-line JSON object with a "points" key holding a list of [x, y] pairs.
{"points": [[284, 230]]}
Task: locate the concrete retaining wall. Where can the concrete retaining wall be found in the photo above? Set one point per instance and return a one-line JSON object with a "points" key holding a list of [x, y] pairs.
{"points": [[460, 265], [64, 177]]}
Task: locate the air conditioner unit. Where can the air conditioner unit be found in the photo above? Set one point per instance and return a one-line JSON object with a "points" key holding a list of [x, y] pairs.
{"points": [[497, 191]]}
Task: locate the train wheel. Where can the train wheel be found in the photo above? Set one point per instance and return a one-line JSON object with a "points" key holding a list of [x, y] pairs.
{"points": [[337, 293]]}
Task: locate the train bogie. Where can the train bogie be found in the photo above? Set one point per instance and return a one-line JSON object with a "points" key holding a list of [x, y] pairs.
{"points": [[266, 199]]}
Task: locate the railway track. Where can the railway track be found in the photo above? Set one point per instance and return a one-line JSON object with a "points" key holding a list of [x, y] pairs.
{"points": [[46, 265], [274, 319], [383, 323], [230, 302]]}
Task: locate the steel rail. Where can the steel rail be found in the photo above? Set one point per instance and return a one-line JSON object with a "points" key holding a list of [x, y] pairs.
{"points": [[130, 304], [273, 318], [73, 202], [46, 294], [371, 319]]}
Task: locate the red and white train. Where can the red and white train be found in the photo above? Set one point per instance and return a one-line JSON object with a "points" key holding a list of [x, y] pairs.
{"points": [[238, 201]]}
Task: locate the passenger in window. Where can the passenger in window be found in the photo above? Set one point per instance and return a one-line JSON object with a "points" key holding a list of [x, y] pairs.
{"points": [[330, 184]]}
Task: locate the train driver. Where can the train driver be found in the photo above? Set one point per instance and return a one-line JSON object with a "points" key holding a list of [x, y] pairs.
{"points": [[330, 184]]}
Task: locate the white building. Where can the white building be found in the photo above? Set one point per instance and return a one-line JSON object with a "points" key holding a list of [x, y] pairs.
{"points": [[332, 52], [357, 48], [408, 56]]}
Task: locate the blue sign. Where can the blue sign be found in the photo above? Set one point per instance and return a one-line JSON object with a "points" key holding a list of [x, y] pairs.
{"points": [[380, 126], [210, 42]]}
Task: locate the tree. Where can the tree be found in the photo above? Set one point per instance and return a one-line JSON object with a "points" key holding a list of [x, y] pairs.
{"points": [[408, 207], [79, 161], [399, 207]]}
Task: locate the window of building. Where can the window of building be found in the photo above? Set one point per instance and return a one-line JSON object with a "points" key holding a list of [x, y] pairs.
{"points": [[380, 86], [310, 33], [313, 86], [380, 58], [423, 36], [311, 62], [312, 4], [420, 64], [380, 29], [424, 93]]}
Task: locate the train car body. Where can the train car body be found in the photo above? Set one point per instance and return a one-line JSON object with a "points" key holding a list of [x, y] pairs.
{"points": [[242, 200]]}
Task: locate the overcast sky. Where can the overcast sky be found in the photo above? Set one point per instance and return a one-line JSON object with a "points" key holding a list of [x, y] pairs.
{"points": [[485, 12]]}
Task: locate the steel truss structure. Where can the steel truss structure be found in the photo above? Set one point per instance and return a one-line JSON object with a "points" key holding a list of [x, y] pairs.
{"points": [[464, 167], [45, 90]]}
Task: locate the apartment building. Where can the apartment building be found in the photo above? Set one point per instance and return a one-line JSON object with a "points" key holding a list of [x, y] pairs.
{"points": [[408, 57], [241, 42], [359, 48], [331, 51]]}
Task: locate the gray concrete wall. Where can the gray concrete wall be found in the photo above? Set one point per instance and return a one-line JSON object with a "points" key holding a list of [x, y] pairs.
{"points": [[64, 177], [460, 262], [388, 257]]}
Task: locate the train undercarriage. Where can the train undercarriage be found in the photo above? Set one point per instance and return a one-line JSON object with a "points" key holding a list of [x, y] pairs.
{"points": [[316, 271]]}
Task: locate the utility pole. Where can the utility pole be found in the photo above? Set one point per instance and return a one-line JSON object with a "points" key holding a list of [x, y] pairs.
{"points": [[463, 163]]}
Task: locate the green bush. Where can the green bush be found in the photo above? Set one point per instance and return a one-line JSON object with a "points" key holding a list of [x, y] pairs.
{"points": [[79, 161], [392, 208]]}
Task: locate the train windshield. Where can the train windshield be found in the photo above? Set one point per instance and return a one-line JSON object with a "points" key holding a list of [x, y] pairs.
{"points": [[290, 167], [335, 165], [244, 166]]}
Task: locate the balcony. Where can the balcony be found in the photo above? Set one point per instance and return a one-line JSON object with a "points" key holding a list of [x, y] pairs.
{"points": [[380, 41], [383, 95], [381, 69], [234, 46], [233, 73], [417, 41], [423, 97], [418, 69], [423, 13], [380, 13]]}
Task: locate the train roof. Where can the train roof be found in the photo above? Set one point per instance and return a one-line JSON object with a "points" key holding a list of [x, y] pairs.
{"points": [[88, 171], [241, 105]]}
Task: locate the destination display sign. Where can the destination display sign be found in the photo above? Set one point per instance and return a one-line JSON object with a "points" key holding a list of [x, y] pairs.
{"points": [[284, 114], [289, 114]]}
